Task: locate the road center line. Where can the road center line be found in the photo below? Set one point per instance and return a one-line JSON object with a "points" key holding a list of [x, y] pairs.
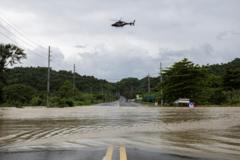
{"points": [[109, 153], [123, 153]]}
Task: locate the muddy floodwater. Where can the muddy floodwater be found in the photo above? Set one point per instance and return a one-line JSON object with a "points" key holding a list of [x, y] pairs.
{"points": [[206, 132]]}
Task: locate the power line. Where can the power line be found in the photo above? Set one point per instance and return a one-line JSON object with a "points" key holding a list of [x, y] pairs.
{"points": [[28, 43], [22, 39], [24, 42], [8, 37], [16, 29], [16, 43]]}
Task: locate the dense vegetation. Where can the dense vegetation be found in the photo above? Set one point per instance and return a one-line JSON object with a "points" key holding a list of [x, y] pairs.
{"points": [[209, 84], [27, 86]]}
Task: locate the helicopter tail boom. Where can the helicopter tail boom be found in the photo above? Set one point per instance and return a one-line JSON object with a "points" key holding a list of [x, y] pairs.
{"points": [[132, 23]]}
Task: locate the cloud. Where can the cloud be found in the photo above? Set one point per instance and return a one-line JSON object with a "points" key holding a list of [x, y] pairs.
{"points": [[203, 31], [80, 46], [138, 62], [228, 35]]}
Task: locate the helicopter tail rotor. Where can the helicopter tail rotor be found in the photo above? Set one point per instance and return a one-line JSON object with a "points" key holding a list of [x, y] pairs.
{"points": [[133, 23]]}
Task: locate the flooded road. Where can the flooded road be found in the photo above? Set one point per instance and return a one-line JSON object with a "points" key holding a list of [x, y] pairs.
{"points": [[212, 133]]}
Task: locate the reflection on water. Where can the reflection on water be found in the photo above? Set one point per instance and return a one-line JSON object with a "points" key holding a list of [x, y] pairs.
{"points": [[212, 131]]}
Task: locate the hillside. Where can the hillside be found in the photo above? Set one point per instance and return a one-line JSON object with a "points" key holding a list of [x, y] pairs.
{"points": [[27, 86]]}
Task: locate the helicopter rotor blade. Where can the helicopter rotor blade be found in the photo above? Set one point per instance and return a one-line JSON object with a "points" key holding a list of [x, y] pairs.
{"points": [[114, 20]]}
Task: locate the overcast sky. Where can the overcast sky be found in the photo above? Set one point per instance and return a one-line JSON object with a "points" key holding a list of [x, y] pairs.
{"points": [[80, 32]]}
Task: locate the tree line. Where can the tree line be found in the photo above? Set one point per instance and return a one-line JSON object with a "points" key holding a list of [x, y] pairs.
{"points": [[207, 84]]}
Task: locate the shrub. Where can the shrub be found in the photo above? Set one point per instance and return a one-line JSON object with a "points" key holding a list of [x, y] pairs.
{"points": [[18, 94], [61, 102], [36, 101]]}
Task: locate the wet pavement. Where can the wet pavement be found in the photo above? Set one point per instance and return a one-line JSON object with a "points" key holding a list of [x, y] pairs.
{"points": [[147, 132], [97, 154]]}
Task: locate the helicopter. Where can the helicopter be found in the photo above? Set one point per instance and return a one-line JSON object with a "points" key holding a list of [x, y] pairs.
{"points": [[121, 23]]}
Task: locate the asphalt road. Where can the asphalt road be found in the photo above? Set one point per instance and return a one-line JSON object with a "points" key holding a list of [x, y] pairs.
{"points": [[91, 154]]}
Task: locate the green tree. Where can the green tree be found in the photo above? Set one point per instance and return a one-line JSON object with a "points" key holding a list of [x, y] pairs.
{"points": [[64, 96], [231, 78], [214, 93], [128, 87], [231, 82], [18, 94], [9, 55], [184, 80], [66, 90]]}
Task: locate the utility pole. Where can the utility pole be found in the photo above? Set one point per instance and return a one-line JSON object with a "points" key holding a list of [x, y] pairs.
{"points": [[74, 79], [48, 77], [149, 85], [161, 87], [131, 92], [102, 89]]}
